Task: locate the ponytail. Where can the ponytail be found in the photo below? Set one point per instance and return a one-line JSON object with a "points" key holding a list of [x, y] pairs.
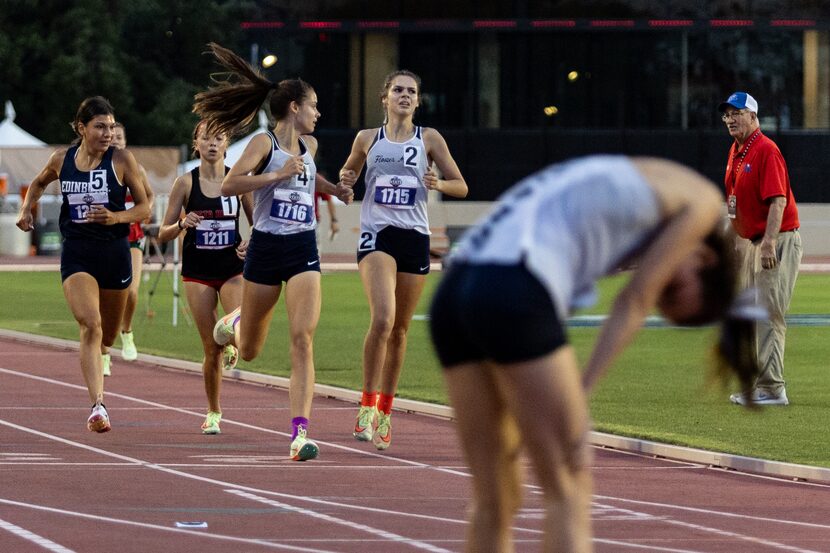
{"points": [[233, 103], [735, 352]]}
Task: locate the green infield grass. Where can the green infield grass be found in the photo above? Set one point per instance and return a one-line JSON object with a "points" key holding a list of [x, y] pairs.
{"points": [[657, 390]]}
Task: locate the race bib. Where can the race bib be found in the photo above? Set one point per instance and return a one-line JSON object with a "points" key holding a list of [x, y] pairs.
{"points": [[292, 206], [230, 205], [81, 202], [215, 234], [396, 192]]}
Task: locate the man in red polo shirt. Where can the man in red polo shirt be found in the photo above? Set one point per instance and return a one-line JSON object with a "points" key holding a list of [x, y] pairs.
{"points": [[762, 210]]}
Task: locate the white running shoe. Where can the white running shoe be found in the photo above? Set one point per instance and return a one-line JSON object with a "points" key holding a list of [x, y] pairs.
{"points": [[224, 330], [106, 364], [303, 449], [128, 349], [761, 397], [99, 419]]}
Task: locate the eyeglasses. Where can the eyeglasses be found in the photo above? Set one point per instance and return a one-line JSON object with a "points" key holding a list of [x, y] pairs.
{"points": [[732, 115]]}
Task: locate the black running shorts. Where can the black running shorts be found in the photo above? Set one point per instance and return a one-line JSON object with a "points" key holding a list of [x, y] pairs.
{"points": [[498, 313], [107, 261], [408, 247], [272, 259]]}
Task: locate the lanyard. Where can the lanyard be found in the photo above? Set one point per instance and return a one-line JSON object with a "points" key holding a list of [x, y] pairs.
{"points": [[734, 176]]}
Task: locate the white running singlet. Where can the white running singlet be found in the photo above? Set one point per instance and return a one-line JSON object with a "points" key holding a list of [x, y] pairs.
{"points": [[569, 224], [395, 191], [286, 207]]}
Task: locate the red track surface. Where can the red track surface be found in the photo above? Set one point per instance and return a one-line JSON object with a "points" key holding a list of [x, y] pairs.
{"points": [[65, 489]]}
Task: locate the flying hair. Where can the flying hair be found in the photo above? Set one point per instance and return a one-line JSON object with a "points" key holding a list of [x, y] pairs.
{"points": [[232, 103]]}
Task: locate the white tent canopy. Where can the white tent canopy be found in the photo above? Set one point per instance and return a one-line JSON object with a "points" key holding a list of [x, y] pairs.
{"points": [[14, 136], [234, 150], [21, 154]]}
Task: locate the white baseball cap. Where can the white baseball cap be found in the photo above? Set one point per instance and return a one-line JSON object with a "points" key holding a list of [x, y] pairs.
{"points": [[740, 100]]}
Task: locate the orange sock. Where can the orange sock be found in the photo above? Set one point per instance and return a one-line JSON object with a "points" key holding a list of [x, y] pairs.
{"points": [[385, 404], [368, 399]]}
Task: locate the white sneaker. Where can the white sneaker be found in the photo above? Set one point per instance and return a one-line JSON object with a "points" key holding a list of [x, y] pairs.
{"points": [[99, 419], [303, 449], [224, 330], [128, 350], [106, 364], [761, 397]]}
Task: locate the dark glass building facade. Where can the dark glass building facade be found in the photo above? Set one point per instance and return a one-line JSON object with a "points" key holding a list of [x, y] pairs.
{"points": [[541, 81]]}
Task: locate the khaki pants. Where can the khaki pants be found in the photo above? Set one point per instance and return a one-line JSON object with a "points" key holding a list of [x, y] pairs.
{"points": [[775, 290]]}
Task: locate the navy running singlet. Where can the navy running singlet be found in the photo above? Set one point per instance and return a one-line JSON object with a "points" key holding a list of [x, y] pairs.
{"points": [[83, 189]]}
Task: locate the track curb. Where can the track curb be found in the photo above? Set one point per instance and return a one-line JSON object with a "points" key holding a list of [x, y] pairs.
{"points": [[656, 449]]}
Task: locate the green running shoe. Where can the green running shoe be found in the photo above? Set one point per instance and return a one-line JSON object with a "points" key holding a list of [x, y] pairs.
{"points": [[363, 425], [106, 363], [383, 433], [128, 350], [211, 424], [230, 356], [224, 330]]}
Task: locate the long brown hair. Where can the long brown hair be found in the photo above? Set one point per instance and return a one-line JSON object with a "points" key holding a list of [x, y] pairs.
{"points": [[735, 353], [232, 103]]}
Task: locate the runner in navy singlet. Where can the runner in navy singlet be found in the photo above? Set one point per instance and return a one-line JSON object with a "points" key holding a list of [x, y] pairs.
{"points": [[95, 257]]}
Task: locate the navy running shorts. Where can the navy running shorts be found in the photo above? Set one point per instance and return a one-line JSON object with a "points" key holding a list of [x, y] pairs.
{"points": [[272, 259], [107, 261], [408, 247], [498, 313]]}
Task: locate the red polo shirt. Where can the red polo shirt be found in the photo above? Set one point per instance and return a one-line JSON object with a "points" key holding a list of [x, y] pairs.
{"points": [[317, 197], [755, 174]]}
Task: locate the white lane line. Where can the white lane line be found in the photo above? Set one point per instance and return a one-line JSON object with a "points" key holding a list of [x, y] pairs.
{"points": [[39, 408], [34, 466], [213, 481], [389, 536], [649, 469], [326, 503], [710, 530], [716, 513], [199, 533], [46, 544], [201, 414], [646, 547], [253, 427]]}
